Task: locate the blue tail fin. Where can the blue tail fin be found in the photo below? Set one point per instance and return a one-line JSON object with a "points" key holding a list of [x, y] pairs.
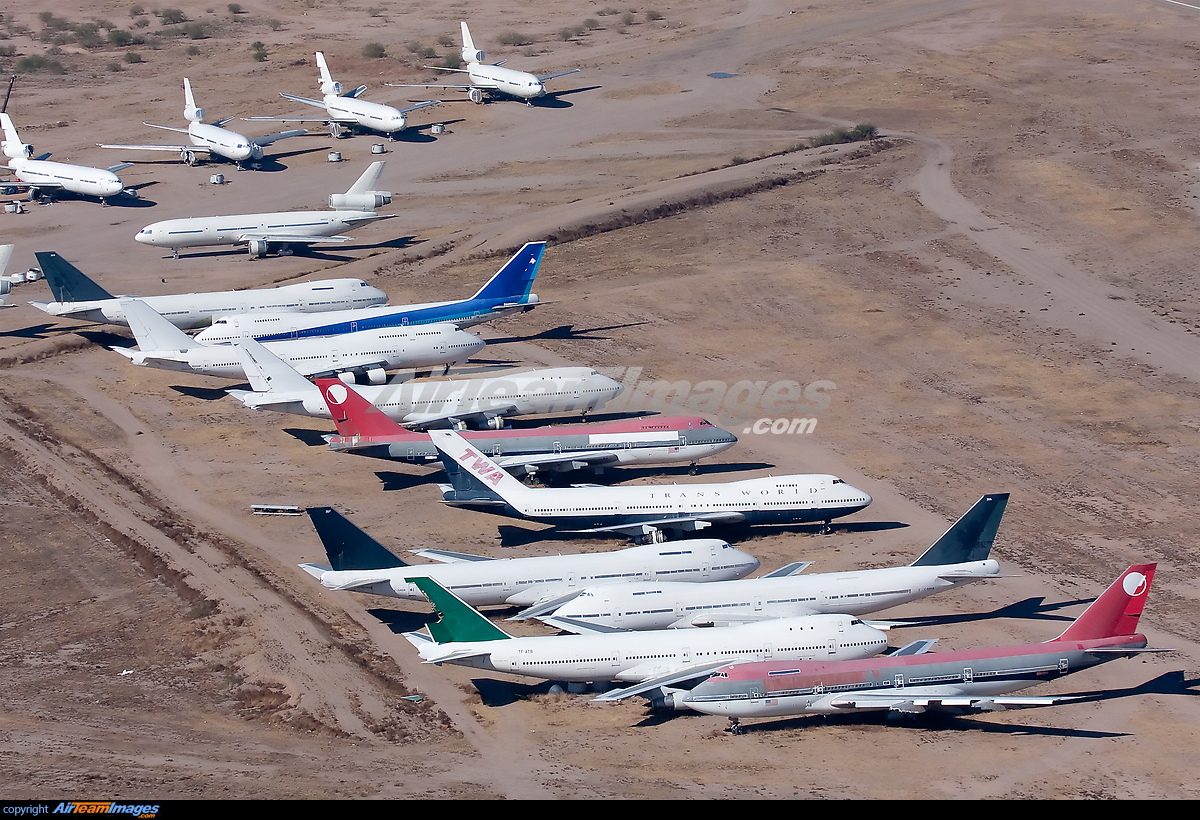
{"points": [[67, 282], [514, 281], [971, 537], [347, 546]]}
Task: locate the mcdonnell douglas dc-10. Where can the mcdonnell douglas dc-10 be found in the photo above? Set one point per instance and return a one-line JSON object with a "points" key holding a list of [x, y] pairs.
{"points": [[39, 174], [641, 511], [361, 564], [969, 679], [78, 297], [366, 430]]}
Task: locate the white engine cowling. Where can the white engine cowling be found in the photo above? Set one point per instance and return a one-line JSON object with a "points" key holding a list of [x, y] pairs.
{"points": [[495, 423], [257, 247], [368, 201], [347, 377], [334, 88], [21, 150], [472, 55], [377, 375], [5, 286], [193, 114], [475, 95]]}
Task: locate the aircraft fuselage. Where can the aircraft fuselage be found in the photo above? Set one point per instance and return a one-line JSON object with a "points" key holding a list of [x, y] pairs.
{"points": [[78, 179]]}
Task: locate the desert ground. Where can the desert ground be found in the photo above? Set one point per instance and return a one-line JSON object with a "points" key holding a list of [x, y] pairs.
{"points": [[1002, 288]]}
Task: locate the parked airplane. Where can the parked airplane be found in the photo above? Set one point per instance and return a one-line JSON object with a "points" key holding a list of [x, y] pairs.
{"points": [[162, 345], [347, 110], [260, 231], [489, 79], [958, 557], [11, 280], [209, 139], [507, 292], [463, 637], [364, 429], [641, 511], [423, 404], [978, 679], [40, 175], [78, 297], [360, 564]]}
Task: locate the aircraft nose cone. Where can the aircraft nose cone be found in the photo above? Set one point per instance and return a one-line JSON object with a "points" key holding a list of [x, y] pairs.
{"points": [[143, 237]]}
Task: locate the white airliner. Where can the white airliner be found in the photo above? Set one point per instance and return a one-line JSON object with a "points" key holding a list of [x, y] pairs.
{"points": [[958, 557], [41, 175], [209, 139], [261, 231], [165, 346], [641, 511], [437, 403], [9, 281], [78, 297], [359, 563], [348, 110], [465, 638], [487, 79]]}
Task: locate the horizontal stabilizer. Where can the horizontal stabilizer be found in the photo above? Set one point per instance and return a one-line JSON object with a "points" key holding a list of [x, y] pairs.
{"points": [[577, 627], [545, 606], [915, 648], [794, 568], [446, 557], [316, 570], [650, 684]]}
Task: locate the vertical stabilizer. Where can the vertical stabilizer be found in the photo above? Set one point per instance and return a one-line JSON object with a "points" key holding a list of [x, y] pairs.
{"points": [[13, 147], [370, 177], [355, 416], [514, 281], [190, 112], [67, 282], [474, 475], [971, 537], [152, 331], [328, 85], [1116, 612], [267, 373], [470, 54], [347, 546], [457, 621]]}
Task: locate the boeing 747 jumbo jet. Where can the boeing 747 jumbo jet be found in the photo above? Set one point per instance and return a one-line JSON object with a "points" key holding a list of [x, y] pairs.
{"points": [[424, 404], [78, 297], [347, 111], [970, 679], [360, 564], [366, 430], [643, 511], [259, 232], [165, 346], [39, 175], [209, 139], [492, 79], [507, 292], [958, 557], [463, 637]]}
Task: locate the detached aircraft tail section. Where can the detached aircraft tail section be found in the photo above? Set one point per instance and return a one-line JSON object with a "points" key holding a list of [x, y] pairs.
{"points": [[1117, 611], [971, 537], [67, 282], [266, 372]]}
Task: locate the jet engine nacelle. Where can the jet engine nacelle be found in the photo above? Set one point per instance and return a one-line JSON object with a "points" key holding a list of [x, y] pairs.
{"points": [[18, 150], [5, 286], [334, 88], [257, 247], [494, 423], [367, 201], [472, 55], [669, 699], [256, 152], [193, 114], [377, 375]]}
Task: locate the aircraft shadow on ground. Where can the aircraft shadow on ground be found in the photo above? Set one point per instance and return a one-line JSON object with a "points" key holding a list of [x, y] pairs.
{"points": [[203, 393], [1030, 609], [403, 481], [554, 99], [42, 331], [565, 333], [106, 339], [399, 621], [930, 720], [308, 252], [496, 693], [313, 438]]}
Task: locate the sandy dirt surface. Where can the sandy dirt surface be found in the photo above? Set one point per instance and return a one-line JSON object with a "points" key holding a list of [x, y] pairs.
{"points": [[1001, 288]]}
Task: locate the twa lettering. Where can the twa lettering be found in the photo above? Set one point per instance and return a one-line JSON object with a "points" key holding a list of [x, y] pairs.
{"points": [[482, 467]]}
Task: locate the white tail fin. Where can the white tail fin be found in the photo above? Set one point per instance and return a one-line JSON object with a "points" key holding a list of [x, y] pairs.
{"points": [[13, 148], [190, 112], [367, 181], [328, 85], [470, 54], [267, 373], [482, 469], [6, 252], [152, 331]]}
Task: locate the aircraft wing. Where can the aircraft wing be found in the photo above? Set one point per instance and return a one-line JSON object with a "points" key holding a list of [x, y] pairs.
{"points": [[304, 100], [139, 146], [579, 627], [299, 239], [282, 135], [698, 521], [419, 106], [544, 606], [543, 78], [446, 557], [669, 679], [588, 457], [165, 128], [794, 568], [426, 421]]}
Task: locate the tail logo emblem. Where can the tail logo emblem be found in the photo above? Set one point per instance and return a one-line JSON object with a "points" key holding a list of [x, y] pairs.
{"points": [[1134, 584], [337, 393]]}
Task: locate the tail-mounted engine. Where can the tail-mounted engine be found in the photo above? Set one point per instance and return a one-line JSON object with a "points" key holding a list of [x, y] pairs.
{"points": [[473, 55], [331, 87], [193, 114], [368, 201]]}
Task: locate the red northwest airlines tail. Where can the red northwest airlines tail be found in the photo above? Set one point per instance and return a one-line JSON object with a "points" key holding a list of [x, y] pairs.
{"points": [[355, 416], [1117, 610]]}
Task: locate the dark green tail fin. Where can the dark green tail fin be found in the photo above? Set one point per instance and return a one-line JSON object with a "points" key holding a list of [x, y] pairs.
{"points": [[971, 537], [457, 622], [67, 282], [347, 546]]}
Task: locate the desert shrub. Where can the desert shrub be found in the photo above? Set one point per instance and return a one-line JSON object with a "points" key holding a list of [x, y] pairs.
{"points": [[373, 51], [515, 38], [414, 46], [839, 136], [565, 34], [196, 31], [654, 15], [193, 51], [628, 18], [445, 40], [607, 11], [260, 51], [36, 62], [132, 57], [136, 11], [141, 22], [275, 25], [591, 23], [451, 61], [172, 17], [234, 8], [52, 22], [120, 38], [8, 51], [113, 66]]}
